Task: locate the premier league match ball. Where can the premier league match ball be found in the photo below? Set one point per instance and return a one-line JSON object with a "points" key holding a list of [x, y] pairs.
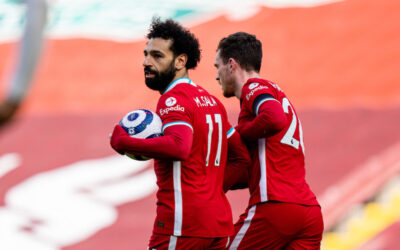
{"points": [[143, 124]]}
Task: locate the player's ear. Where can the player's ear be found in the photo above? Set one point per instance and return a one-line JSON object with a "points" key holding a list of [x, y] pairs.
{"points": [[232, 65], [180, 61]]}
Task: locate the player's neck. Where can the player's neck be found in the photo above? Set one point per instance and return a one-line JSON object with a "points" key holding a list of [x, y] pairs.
{"points": [[180, 74], [251, 74]]}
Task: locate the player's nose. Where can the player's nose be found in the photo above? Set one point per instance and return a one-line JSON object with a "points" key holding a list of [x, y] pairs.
{"points": [[146, 61]]}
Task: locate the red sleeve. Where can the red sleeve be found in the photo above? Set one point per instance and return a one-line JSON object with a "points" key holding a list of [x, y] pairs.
{"points": [[270, 120], [237, 166], [175, 144]]}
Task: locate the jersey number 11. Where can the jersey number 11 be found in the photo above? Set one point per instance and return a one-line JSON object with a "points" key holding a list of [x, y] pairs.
{"points": [[218, 122]]}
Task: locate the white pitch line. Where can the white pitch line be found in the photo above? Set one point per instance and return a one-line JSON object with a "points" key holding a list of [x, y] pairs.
{"points": [[9, 162]]}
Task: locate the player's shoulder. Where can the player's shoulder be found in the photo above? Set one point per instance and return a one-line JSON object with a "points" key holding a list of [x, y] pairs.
{"points": [[256, 86], [176, 97], [180, 88], [170, 103], [172, 99], [258, 83]]}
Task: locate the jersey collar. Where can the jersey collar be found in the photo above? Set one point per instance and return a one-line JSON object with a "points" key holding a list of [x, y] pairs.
{"points": [[179, 81]]}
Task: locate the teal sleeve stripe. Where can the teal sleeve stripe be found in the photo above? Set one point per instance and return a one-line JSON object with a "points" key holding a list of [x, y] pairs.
{"points": [[176, 123], [230, 132]]}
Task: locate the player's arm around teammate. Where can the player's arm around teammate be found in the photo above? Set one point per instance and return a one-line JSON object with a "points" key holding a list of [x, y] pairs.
{"points": [[237, 168]]}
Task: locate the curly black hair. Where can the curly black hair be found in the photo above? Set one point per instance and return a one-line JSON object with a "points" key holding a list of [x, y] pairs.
{"points": [[183, 41], [245, 48]]}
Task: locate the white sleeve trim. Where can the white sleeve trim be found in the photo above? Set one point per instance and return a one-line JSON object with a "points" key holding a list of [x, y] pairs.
{"points": [[262, 101], [176, 123], [230, 132]]}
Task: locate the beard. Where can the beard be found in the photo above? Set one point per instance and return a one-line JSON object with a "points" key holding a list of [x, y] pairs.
{"points": [[161, 79], [228, 94]]}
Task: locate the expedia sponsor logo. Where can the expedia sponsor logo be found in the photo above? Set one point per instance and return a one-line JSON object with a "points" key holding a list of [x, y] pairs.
{"points": [[171, 101], [253, 85], [251, 93], [175, 108]]}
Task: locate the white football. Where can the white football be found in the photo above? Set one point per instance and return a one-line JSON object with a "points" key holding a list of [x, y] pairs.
{"points": [[143, 124]]}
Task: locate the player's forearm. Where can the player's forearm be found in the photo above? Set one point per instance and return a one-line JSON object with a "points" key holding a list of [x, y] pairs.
{"points": [[176, 144], [235, 177], [270, 120], [164, 147]]}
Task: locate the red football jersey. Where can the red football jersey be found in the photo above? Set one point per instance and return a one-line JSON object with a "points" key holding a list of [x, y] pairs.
{"points": [[278, 171], [190, 199]]}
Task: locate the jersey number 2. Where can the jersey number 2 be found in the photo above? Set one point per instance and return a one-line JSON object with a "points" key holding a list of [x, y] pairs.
{"points": [[210, 122], [288, 137]]}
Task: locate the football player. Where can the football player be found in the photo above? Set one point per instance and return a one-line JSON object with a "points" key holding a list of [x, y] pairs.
{"points": [[190, 158], [283, 212]]}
